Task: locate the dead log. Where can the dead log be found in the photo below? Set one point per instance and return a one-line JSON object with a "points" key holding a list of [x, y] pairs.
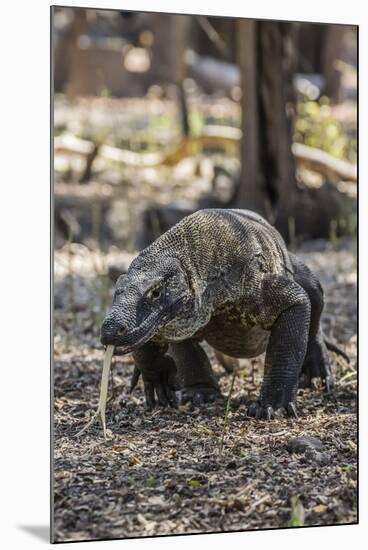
{"points": [[319, 161], [216, 136], [212, 74], [68, 144], [221, 137]]}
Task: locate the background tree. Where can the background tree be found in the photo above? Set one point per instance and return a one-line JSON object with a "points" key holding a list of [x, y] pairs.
{"points": [[267, 180]]}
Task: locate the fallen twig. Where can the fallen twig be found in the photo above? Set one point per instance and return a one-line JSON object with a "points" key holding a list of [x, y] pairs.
{"points": [[103, 393], [227, 411]]}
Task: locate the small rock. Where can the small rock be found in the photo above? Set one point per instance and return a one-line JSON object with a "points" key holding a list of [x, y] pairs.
{"points": [[322, 459], [304, 443]]}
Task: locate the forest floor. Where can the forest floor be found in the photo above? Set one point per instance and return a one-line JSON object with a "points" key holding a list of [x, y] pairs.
{"points": [[191, 471]]}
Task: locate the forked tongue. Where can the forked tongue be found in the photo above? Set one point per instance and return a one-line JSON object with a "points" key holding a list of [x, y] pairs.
{"points": [[101, 409]]}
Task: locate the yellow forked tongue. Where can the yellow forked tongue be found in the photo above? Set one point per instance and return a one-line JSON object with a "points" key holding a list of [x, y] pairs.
{"points": [[103, 392]]}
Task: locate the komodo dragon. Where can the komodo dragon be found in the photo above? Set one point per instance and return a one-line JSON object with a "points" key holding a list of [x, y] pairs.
{"points": [[226, 277]]}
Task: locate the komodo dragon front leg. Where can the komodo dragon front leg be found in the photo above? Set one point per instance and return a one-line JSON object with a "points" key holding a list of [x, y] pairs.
{"points": [[175, 373], [158, 371], [287, 345]]}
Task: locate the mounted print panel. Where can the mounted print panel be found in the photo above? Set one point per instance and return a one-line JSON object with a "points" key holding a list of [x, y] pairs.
{"points": [[205, 287]]}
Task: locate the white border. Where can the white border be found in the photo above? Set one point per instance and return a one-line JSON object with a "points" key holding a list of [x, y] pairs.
{"points": [[24, 202]]}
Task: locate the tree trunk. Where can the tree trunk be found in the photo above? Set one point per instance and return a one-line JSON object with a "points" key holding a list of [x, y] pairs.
{"points": [[320, 47], [267, 181], [168, 57], [64, 51], [250, 193], [170, 37], [331, 53]]}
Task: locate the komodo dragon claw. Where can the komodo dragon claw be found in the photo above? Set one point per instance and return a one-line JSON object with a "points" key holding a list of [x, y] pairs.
{"points": [[258, 411]]}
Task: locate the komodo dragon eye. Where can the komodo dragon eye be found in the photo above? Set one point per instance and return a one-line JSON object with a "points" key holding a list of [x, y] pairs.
{"points": [[154, 293]]}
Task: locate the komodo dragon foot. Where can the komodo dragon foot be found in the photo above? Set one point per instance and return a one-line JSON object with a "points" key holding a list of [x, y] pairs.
{"points": [[198, 395], [166, 395], [175, 375], [257, 410]]}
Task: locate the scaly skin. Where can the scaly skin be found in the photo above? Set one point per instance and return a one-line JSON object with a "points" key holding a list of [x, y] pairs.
{"points": [[225, 277]]}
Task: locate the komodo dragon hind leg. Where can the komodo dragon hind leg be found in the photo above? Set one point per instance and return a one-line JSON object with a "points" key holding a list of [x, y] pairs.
{"points": [[195, 377], [316, 363]]}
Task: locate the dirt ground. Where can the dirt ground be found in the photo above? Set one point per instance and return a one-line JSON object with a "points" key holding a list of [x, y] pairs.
{"points": [[193, 471]]}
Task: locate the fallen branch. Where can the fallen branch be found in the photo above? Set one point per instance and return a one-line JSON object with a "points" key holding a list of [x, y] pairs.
{"points": [[72, 145], [212, 136], [214, 36], [323, 163]]}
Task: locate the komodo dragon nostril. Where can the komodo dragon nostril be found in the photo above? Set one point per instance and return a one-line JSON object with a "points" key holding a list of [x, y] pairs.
{"points": [[121, 330]]}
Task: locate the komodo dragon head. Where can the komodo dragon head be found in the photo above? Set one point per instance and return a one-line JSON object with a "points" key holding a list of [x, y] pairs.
{"points": [[154, 299]]}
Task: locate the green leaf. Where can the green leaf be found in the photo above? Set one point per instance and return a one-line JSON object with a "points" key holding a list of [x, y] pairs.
{"points": [[194, 483], [297, 513], [151, 481]]}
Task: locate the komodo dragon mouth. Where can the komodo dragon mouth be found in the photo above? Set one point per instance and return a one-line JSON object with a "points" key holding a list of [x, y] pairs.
{"points": [[129, 340]]}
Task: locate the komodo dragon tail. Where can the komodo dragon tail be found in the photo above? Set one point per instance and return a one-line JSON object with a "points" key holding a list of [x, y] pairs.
{"points": [[134, 380], [332, 347]]}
